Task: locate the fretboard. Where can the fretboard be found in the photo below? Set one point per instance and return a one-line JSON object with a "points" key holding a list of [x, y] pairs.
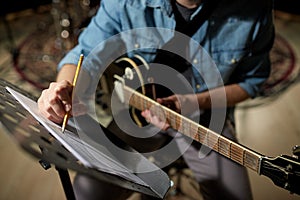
{"points": [[197, 132]]}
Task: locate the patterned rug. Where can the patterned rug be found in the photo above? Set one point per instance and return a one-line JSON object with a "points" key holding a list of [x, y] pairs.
{"points": [[284, 70]]}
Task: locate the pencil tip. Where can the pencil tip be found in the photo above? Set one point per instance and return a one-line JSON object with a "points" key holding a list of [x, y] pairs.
{"points": [[63, 129]]}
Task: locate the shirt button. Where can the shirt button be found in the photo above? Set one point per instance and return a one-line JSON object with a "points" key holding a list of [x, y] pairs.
{"points": [[136, 45], [198, 86], [233, 60], [195, 61]]}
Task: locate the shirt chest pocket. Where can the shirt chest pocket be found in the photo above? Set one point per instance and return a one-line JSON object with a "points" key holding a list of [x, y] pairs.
{"points": [[146, 41], [228, 61]]}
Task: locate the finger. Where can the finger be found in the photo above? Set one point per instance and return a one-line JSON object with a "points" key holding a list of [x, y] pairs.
{"points": [[156, 121], [53, 117], [48, 112], [147, 115], [169, 98], [63, 92], [166, 100], [163, 125], [55, 106], [169, 102]]}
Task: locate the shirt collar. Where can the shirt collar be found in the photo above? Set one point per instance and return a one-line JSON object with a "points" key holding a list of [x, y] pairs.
{"points": [[164, 4]]}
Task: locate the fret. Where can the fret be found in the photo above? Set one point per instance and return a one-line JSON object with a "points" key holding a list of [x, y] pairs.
{"points": [[237, 153], [205, 138], [180, 128], [194, 129], [130, 96], [138, 101], [202, 134], [178, 122], [168, 117], [148, 104], [159, 112], [143, 103], [184, 128], [172, 119], [194, 132], [213, 140], [224, 147], [197, 137], [251, 160], [132, 100]]}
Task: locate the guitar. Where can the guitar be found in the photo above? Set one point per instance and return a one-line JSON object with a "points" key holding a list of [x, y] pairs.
{"points": [[283, 170]]}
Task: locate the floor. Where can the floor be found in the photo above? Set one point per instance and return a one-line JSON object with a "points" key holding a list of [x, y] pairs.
{"points": [[268, 125]]}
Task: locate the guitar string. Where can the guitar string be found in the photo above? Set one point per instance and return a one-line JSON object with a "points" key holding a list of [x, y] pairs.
{"points": [[234, 151]]}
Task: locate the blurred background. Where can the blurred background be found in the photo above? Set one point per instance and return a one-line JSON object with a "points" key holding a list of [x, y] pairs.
{"points": [[34, 36]]}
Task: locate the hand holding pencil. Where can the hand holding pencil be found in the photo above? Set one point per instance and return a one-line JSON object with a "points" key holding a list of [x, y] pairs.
{"points": [[67, 115], [55, 102]]}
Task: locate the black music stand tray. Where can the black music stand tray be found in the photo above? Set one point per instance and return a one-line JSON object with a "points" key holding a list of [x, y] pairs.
{"points": [[37, 141]]}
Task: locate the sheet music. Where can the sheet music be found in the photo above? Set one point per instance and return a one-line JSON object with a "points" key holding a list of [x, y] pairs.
{"points": [[87, 154]]}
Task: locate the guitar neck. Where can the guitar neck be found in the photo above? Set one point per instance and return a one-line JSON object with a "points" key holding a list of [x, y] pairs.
{"points": [[197, 132]]}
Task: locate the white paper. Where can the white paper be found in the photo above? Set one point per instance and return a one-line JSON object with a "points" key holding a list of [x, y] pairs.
{"points": [[88, 155]]}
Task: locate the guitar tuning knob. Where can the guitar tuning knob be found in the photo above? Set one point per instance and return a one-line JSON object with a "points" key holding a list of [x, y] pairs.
{"points": [[128, 73], [296, 151]]}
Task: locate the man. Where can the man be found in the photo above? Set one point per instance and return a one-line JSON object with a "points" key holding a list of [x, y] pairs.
{"points": [[237, 34]]}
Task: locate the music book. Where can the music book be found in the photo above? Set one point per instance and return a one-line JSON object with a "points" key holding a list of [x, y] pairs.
{"points": [[94, 151]]}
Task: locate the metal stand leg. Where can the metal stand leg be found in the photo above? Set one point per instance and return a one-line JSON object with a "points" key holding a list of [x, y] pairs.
{"points": [[64, 179], [66, 183]]}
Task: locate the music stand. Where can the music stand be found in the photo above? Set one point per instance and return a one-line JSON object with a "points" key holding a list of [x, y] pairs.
{"points": [[37, 141]]}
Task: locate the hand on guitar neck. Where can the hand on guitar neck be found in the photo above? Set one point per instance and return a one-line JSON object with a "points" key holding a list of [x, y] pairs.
{"points": [[175, 103]]}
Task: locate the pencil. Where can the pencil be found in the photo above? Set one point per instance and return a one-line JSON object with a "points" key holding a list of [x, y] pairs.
{"points": [[67, 115]]}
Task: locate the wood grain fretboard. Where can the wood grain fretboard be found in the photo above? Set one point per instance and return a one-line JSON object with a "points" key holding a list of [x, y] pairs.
{"points": [[236, 152]]}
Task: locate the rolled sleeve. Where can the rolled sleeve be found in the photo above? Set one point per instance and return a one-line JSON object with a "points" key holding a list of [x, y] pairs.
{"points": [[254, 69], [252, 78]]}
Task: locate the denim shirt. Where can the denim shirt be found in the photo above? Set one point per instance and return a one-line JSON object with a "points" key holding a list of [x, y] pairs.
{"points": [[237, 39]]}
